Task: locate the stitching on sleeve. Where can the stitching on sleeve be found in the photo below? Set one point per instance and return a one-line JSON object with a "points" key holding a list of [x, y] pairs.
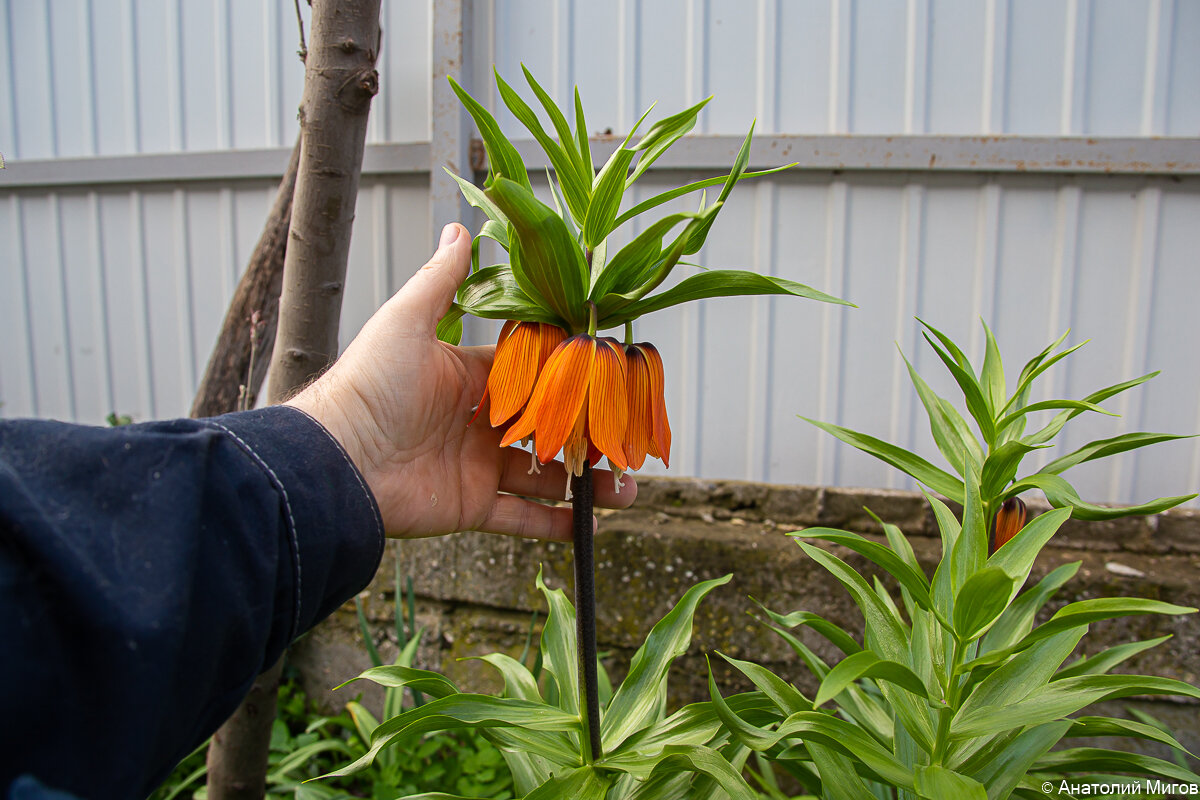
{"points": [[299, 594], [357, 475]]}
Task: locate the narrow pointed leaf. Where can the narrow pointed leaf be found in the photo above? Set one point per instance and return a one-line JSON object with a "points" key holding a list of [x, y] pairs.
{"points": [[607, 190], [867, 665], [1060, 698], [662, 135], [1085, 612], [581, 140], [565, 137], [680, 191], [1105, 660], [644, 688], [1112, 726], [477, 198], [934, 782], [397, 676], [558, 646], [686, 758], [950, 431], [1002, 767], [1050, 405], [503, 158], [991, 375], [634, 263], [909, 576], [977, 404], [887, 632], [1061, 494], [1102, 448], [1092, 760], [912, 464], [550, 265], [1001, 467], [518, 680], [836, 635], [565, 166], [786, 697], [1051, 430], [584, 783], [981, 601], [1017, 620]]}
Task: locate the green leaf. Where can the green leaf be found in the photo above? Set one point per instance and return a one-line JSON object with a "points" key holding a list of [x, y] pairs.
{"points": [[1001, 467], [1035, 367], [819, 727], [935, 783], [635, 262], [518, 680], [1016, 557], [562, 128], [551, 266], [1050, 405], [1051, 430], [1017, 620], [971, 548], [1058, 699], [558, 646], [607, 191], [950, 431], [493, 293], [1093, 759], [836, 635], [662, 135], [866, 664], [839, 780], [1112, 726], [667, 196], [477, 198], [1108, 658], [398, 676], [977, 404], [887, 633], [950, 529], [1016, 679], [537, 726], [1061, 494], [1085, 612], [585, 783], [643, 691], [735, 174], [564, 163], [991, 376], [683, 758], [503, 158], [909, 463], [581, 139], [910, 577], [1102, 448], [981, 601], [1003, 765], [786, 697]]}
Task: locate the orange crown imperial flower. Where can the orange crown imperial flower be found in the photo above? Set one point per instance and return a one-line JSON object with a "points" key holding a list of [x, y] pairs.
{"points": [[579, 405]]}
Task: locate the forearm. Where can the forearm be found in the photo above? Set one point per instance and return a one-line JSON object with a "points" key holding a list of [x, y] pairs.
{"points": [[147, 574]]}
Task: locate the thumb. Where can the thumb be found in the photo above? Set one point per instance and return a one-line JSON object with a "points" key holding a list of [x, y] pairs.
{"points": [[428, 293]]}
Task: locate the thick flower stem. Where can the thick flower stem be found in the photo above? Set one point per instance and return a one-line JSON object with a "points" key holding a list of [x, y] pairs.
{"points": [[583, 495]]}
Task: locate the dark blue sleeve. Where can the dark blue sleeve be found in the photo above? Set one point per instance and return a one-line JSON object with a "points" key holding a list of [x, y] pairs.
{"points": [[149, 573]]}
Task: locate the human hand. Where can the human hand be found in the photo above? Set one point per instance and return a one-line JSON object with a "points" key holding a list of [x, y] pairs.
{"points": [[399, 401]]}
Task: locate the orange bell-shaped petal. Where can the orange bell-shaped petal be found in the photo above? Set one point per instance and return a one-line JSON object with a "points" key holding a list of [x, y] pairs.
{"points": [[558, 398], [608, 403], [648, 431], [521, 353]]}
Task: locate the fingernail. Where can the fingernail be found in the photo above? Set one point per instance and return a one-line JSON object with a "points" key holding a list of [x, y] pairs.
{"points": [[449, 235]]}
